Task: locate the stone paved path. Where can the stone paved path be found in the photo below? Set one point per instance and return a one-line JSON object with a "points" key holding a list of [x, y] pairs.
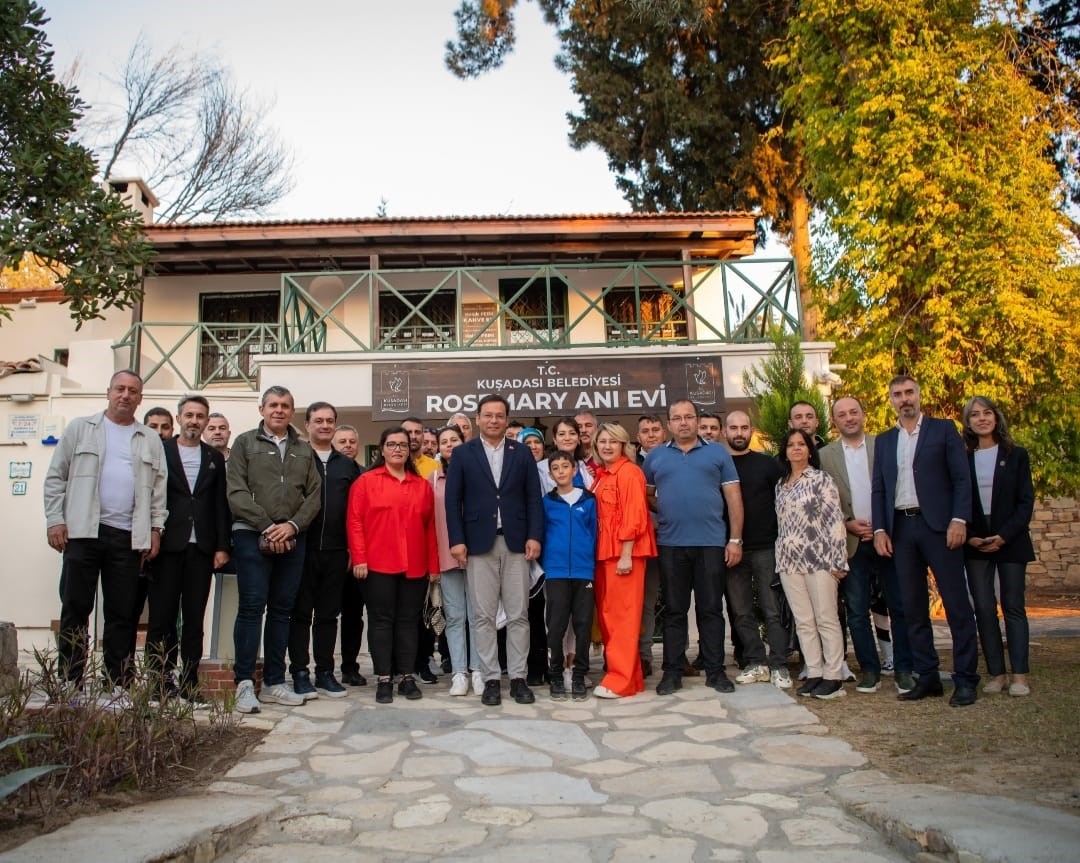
{"points": [[694, 777]]}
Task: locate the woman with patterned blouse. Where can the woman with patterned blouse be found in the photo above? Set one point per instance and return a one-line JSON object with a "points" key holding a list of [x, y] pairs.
{"points": [[811, 557]]}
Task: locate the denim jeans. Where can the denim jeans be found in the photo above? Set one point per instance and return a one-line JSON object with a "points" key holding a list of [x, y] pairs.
{"points": [[702, 569], [265, 584], [756, 569], [855, 589], [456, 610], [981, 581]]}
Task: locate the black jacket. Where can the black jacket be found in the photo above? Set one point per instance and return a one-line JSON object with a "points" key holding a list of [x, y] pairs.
{"points": [[205, 507], [327, 531], [1012, 504]]}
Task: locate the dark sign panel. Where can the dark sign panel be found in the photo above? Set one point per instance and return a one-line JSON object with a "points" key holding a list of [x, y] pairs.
{"points": [[628, 385]]}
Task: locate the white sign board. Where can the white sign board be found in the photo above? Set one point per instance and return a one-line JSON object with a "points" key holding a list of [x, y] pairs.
{"points": [[24, 427]]}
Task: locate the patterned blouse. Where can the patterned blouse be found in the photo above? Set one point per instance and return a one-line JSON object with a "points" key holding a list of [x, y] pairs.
{"points": [[812, 536]]}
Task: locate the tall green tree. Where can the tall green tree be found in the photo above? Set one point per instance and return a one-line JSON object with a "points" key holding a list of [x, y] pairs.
{"points": [[777, 383], [677, 93], [51, 210], [930, 150]]}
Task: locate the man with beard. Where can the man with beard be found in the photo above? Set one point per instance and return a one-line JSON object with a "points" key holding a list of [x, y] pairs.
{"points": [[758, 475]]}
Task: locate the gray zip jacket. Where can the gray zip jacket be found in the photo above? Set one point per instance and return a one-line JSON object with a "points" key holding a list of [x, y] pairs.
{"points": [[71, 483]]}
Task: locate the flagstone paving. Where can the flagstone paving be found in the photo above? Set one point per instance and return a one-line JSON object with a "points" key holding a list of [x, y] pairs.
{"points": [[694, 776]]}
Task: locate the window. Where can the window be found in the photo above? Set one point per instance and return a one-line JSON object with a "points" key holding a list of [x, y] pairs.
{"points": [[236, 328], [408, 323], [543, 322], [637, 322], [60, 355]]}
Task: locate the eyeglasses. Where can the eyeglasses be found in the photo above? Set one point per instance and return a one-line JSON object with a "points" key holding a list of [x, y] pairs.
{"points": [[395, 445]]}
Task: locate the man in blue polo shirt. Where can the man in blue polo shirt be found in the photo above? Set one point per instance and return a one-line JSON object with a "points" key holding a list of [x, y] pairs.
{"points": [[694, 483]]}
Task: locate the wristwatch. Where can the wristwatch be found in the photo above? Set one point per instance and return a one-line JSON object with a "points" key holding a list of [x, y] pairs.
{"points": [[736, 541]]}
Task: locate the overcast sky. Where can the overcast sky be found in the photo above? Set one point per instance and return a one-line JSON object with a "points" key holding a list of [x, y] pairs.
{"points": [[363, 98]]}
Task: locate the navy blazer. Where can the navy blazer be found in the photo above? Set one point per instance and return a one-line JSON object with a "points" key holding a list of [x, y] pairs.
{"points": [[474, 499], [205, 507], [1012, 504], [942, 478]]}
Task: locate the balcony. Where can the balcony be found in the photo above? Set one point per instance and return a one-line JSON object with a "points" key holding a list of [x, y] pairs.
{"points": [[588, 305]]}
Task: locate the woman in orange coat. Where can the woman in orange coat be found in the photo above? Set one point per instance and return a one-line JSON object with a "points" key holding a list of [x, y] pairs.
{"points": [[624, 540]]}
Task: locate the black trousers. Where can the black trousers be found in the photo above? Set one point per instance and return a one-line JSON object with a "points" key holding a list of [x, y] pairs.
{"points": [[537, 663], [179, 584], [569, 601], [703, 570], [318, 604], [111, 558], [394, 604], [352, 622]]}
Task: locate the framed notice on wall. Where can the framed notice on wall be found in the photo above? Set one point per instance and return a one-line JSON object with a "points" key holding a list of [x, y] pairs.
{"points": [[24, 427], [474, 318]]}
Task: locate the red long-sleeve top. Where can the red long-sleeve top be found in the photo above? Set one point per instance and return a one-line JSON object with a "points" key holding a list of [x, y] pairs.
{"points": [[391, 524], [621, 511]]}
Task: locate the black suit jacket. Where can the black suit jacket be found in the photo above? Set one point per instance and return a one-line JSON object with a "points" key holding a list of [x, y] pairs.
{"points": [[942, 478], [474, 498], [1011, 506], [205, 507]]}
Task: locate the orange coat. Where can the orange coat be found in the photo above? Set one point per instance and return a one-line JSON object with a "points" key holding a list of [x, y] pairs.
{"points": [[621, 511]]}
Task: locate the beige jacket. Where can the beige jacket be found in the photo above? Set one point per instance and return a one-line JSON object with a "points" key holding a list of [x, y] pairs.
{"points": [[71, 483]]}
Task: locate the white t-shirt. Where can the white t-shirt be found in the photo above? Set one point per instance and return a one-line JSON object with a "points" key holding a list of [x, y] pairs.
{"points": [[985, 461], [116, 484], [573, 496], [191, 459]]}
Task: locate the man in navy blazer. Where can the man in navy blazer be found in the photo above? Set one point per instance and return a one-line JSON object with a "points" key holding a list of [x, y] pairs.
{"points": [[920, 501], [194, 544], [495, 519]]}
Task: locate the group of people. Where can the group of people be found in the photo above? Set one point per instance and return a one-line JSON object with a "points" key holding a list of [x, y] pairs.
{"points": [[529, 545]]}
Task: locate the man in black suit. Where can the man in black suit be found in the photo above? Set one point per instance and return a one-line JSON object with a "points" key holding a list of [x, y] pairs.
{"points": [[195, 544], [920, 503], [495, 519]]}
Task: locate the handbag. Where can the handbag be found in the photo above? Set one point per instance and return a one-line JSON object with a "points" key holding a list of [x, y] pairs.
{"points": [[433, 613]]}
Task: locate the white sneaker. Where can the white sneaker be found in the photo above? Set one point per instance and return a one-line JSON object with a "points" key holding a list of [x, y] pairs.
{"points": [[478, 683], [460, 684], [279, 693], [781, 679], [246, 702], [604, 692], [753, 674]]}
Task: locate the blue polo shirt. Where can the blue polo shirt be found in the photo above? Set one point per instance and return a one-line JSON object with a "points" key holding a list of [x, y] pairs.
{"points": [[689, 499]]}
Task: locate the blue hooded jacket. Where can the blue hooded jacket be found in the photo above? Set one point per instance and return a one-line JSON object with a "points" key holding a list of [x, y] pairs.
{"points": [[569, 549]]}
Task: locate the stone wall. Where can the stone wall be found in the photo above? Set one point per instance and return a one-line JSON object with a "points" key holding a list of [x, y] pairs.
{"points": [[1055, 532]]}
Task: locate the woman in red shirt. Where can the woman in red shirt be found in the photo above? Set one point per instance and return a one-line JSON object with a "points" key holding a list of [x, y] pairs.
{"points": [[625, 539], [391, 530]]}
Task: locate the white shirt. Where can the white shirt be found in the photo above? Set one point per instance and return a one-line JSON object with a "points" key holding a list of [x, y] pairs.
{"points": [[858, 473], [906, 442], [985, 463], [191, 459], [116, 483], [280, 441], [495, 459]]}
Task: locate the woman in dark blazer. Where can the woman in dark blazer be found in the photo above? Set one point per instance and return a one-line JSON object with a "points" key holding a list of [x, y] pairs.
{"points": [[1002, 501]]}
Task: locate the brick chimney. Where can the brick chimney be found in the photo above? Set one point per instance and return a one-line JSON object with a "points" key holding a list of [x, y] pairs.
{"points": [[136, 194]]}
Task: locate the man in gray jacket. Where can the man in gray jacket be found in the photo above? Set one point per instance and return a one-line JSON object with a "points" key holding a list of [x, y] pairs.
{"points": [[104, 512]]}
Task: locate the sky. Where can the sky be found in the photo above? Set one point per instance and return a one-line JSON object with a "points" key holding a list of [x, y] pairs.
{"points": [[361, 95]]}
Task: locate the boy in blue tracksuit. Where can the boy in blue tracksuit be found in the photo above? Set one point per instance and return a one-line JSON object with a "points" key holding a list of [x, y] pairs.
{"points": [[568, 559]]}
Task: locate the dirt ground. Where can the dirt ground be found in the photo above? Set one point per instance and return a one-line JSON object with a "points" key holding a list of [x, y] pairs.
{"points": [[1016, 747], [204, 764]]}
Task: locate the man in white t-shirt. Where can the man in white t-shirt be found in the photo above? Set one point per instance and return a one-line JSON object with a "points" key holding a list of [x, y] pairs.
{"points": [[105, 510]]}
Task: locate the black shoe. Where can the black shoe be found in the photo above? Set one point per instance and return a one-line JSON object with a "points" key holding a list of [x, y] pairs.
{"points": [[326, 684], [520, 691], [646, 668], [426, 676], [719, 681], [384, 692], [301, 684], [577, 689], [928, 686], [963, 696], [353, 678], [536, 679], [557, 689], [446, 665], [808, 687], [409, 689], [829, 689], [492, 696], [669, 683]]}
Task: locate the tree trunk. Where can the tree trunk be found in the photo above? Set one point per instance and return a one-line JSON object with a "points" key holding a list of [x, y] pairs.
{"points": [[800, 251]]}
